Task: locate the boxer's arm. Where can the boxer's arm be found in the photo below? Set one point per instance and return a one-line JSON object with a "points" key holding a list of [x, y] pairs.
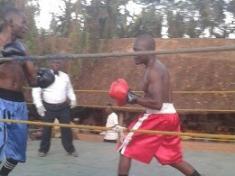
{"points": [[30, 73]]}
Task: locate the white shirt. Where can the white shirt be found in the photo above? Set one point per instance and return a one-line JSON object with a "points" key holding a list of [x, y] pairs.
{"points": [[111, 121], [56, 93]]}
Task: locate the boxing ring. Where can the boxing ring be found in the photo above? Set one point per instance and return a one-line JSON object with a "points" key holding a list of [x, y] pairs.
{"points": [[101, 159], [98, 158]]}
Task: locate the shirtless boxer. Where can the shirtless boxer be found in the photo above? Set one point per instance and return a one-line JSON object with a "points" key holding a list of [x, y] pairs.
{"points": [[160, 115], [13, 74]]}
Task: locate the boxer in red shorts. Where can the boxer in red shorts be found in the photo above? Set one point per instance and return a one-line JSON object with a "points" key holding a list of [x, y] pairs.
{"points": [[160, 115]]}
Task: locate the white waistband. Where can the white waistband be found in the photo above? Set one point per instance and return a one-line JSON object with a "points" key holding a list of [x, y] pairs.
{"points": [[167, 108]]}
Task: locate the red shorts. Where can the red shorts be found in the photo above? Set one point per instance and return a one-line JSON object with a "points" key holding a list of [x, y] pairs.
{"points": [[143, 147]]}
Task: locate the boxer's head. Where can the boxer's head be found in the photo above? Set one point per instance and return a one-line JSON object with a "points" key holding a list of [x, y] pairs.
{"points": [[14, 21], [143, 42]]}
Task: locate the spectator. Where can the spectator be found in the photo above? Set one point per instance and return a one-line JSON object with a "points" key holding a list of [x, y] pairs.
{"points": [[112, 120]]}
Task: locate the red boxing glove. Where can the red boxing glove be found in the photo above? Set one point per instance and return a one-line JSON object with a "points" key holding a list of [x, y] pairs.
{"points": [[119, 90]]}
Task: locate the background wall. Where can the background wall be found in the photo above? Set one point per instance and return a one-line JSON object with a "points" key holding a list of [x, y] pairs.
{"points": [[189, 72]]}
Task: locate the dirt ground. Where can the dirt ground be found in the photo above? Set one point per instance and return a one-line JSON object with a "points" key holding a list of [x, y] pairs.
{"points": [[101, 159]]}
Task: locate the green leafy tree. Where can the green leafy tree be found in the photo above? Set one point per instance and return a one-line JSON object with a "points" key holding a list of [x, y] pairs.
{"points": [[31, 10], [149, 21], [193, 17], [176, 26], [69, 19], [105, 19], [231, 7]]}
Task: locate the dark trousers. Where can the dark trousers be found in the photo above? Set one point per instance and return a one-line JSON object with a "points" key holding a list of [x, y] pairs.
{"points": [[63, 115]]}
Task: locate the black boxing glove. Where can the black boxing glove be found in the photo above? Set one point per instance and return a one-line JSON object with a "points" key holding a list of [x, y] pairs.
{"points": [[131, 97], [45, 77], [15, 48]]}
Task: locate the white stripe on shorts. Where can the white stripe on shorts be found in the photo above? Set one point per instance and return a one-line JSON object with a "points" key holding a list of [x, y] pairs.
{"points": [[129, 136]]}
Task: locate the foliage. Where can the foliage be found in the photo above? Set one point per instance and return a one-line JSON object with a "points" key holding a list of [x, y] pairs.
{"points": [[31, 10], [149, 21], [85, 22], [193, 17]]}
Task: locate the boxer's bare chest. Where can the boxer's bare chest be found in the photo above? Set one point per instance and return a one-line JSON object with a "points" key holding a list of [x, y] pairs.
{"points": [[11, 74]]}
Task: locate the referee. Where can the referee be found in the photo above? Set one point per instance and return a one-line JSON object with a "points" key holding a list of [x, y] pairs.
{"points": [[53, 102]]}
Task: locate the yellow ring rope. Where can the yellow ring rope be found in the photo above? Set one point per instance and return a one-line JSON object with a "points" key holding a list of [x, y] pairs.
{"points": [[171, 133], [175, 92], [142, 109], [139, 109]]}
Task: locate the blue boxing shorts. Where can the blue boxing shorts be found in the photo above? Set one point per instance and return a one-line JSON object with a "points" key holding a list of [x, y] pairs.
{"points": [[13, 136]]}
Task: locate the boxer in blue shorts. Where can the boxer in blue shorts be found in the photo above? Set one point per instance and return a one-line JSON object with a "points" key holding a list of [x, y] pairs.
{"points": [[14, 136], [13, 75]]}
